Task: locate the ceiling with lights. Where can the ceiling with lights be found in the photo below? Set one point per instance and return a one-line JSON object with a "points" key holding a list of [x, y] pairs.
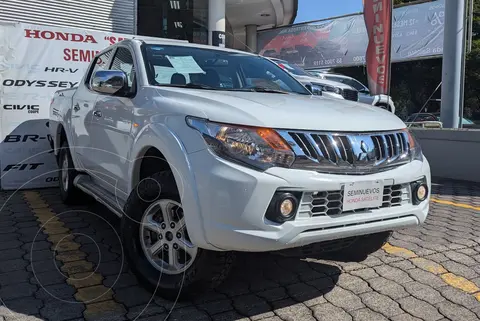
{"points": [[263, 13]]}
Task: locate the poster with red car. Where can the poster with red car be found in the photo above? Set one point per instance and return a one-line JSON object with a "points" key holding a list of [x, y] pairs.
{"points": [[417, 32]]}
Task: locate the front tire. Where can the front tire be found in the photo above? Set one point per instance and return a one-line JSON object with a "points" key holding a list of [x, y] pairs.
{"points": [[157, 244], [67, 173]]}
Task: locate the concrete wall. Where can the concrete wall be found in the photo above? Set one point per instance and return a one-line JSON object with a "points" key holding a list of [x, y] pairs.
{"points": [[452, 153]]}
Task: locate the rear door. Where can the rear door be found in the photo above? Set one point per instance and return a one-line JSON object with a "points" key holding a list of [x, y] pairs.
{"points": [[83, 102]]}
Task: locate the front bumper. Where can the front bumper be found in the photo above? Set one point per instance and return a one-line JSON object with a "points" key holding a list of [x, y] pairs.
{"points": [[233, 200]]}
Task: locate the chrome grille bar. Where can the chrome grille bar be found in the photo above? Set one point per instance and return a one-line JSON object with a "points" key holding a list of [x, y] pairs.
{"points": [[319, 154], [299, 141], [402, 144], [348, 153], [336, 151]]}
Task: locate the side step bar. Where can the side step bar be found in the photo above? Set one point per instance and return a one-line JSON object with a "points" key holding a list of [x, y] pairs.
{"points": [[84, 183]]}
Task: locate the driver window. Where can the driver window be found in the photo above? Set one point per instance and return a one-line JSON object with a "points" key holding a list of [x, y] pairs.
{"points": [[123, 61], [99, 64]]}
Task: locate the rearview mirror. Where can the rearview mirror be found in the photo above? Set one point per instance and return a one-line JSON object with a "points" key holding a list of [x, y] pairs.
{"points": [[110, 82]]}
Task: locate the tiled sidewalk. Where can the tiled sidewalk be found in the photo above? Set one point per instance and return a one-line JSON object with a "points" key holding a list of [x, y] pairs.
{"points": [[427, 273]]}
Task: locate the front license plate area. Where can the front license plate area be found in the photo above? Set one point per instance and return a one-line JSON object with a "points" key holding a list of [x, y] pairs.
{"points": [[359, 195]]}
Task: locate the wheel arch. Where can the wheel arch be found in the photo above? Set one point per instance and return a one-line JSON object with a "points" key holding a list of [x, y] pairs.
{"points": [[144, 161], [161, 143], [60, 138]]}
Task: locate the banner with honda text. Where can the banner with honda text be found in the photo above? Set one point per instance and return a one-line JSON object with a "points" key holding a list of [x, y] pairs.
{"points": [[378, 21], [36, 61]]}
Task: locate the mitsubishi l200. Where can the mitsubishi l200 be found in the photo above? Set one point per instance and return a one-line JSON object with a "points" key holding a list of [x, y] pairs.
{"points": [[206, 151]]}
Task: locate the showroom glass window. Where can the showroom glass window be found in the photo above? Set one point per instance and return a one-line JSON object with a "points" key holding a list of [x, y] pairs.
{"points": [[174, 19]]}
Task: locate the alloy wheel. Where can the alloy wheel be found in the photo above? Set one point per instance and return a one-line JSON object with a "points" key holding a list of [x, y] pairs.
{"points": [[164, 237]]}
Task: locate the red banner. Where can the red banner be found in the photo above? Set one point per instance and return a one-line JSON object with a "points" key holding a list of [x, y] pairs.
{"points": [[378, 20]]}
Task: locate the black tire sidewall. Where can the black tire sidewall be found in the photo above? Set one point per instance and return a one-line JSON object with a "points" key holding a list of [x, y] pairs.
{"points": [[167, 285], [69, 194]]}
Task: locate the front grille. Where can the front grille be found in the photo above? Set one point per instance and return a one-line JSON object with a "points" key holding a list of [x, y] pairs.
{"points": [[329, 203], [350, 94], [360, 153]]}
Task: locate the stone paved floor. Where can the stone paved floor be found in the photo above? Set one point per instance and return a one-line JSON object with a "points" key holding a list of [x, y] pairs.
{"points": [[427, 273]]}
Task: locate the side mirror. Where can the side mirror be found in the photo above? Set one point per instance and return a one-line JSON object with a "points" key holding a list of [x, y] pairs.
{"points": [[110, 82], [314, 89]]}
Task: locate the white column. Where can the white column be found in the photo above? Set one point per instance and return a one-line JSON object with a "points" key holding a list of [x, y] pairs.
{"points": [[251, 38], [216, 18], [453, 54]]}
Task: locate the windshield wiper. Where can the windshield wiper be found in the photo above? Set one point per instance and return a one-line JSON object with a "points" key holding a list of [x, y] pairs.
{"points": [[206, 87], [262, 90], [190, 85]]}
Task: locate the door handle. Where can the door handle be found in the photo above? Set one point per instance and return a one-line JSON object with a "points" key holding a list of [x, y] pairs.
{"points": [[97, 113], [76, 107]]}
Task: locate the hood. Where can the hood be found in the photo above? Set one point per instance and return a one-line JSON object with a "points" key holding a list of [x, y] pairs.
{"points": [[315, 80], [281, 111]]}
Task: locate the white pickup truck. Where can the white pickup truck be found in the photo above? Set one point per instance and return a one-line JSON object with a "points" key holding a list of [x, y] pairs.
{"points": [[204, 151], [382, 101], [327, 88]]}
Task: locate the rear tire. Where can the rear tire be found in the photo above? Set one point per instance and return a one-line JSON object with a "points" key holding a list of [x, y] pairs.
{"points": [[67, 173], [163, 257]]}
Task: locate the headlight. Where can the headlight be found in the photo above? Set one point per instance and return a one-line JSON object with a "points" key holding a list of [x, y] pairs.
{"points": [[415, 149], [258, 147]]}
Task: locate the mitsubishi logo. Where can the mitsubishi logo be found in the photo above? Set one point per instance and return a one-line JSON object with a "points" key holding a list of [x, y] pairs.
{"points": [[366, 154]]}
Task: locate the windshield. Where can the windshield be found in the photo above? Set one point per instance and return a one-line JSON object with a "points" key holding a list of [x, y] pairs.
{"points": [[348, 81], [212, 69]]}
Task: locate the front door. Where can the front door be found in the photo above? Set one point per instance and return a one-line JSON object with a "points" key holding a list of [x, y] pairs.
{"points": [[83, 102], [112, 118]]}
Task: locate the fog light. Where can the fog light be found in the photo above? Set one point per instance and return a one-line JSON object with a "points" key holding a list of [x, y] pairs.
{"points": [[286, 207], [421, 192], [283, 207]]}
